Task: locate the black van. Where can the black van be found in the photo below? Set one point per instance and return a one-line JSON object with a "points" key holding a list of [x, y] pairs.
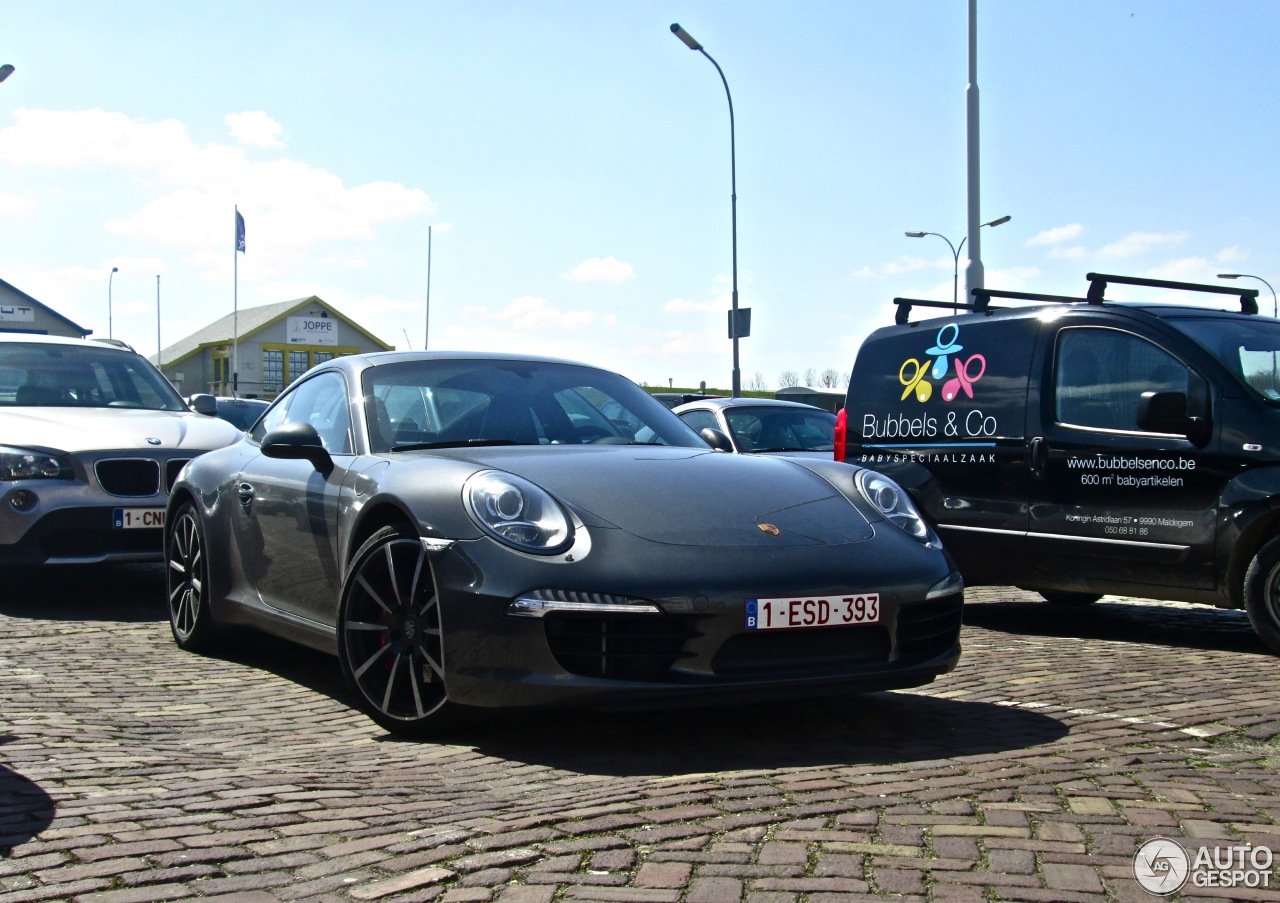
{"points": [[1080, 446]]}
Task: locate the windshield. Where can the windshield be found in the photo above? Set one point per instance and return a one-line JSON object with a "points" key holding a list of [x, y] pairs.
{"points": [[441, 403], [1250, 348], [81, 376], [767, 428]]}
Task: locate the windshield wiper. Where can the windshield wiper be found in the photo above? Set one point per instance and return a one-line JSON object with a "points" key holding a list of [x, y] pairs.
{"points": [[455, 443]]}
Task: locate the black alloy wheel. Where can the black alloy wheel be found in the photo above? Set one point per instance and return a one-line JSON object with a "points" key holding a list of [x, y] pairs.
{"points": [[187, 573], [390, 640]]}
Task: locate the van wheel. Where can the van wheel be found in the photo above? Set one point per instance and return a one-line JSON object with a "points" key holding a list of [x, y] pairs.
{"points": [[1262, 594], [1059, 597]]}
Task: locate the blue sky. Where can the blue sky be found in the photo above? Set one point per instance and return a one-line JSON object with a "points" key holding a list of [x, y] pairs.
{"points": [[572, 162]]}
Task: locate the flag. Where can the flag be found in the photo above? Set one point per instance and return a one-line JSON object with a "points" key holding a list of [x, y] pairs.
{"points": [[239, 232]]}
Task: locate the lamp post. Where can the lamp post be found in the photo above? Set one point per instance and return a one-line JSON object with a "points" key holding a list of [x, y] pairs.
{"points": [[5, 71], [692, 44], [1275, 308], [114, 270], [955, 253]]}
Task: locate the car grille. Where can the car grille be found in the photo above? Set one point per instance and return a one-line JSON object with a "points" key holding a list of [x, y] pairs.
{"points": [[928, 629], [621, 647], [136, 477], [128, 476], [171, 469], [811, 652]]}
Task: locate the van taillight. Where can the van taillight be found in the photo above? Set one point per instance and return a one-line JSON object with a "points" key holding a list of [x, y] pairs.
{"points": [[842, 422]]}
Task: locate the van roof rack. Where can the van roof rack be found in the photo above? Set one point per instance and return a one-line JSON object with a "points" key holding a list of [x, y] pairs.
{"points": [[1097, 289], [903, 314]]}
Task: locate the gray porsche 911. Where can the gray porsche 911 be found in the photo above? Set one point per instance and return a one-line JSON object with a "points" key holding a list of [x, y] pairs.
{"points": [[468, 532]]}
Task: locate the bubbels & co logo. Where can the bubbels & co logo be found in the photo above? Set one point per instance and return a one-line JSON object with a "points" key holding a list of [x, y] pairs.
{"points": [[946, 349], [1163, 866]]}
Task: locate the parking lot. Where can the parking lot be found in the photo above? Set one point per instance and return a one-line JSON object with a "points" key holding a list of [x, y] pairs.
{"points": [[132, 771]]}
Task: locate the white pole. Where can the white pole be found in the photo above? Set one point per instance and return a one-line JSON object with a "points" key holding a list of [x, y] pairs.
{"points": [[973, 274], [426, 329], [159, 347], [235, 309]]}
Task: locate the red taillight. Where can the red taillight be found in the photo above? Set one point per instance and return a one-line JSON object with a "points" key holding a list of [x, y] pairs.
{"points": [[842, 422]]}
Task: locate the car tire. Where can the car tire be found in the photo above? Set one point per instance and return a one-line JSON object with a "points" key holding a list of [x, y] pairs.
{"points": [[1061, 597], [390, 639], [187, 571], [1262, 594]]}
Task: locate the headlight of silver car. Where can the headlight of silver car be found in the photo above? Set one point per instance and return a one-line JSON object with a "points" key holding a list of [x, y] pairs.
{"points": [[517, 513], [21, 464], [889, 499]]}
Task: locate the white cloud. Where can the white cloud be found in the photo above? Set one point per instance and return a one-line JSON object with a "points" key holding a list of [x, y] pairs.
{"points": [[1056, 235], [255, 129], [1230, 255], [531, 313], [688, 305], [287, 205], [1136, 244], [602, 269], [1074, 252], [1185, 269], [15, 204]]}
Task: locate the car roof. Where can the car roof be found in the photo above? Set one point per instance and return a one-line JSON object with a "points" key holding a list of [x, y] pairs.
{"points": [[41, 339], [719, 404]]}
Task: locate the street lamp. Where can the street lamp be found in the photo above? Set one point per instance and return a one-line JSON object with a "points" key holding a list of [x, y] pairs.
{"points": [[955, 253], [692, 44], [111, 276], [5, 71], [1275, 308]]}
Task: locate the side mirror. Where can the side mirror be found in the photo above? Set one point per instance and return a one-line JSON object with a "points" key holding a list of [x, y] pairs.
{"points": [[1166, 412], [297, 441], [203, 404], [716, 439]]}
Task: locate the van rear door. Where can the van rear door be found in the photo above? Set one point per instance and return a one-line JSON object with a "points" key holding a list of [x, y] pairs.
{"points": [[940, 406]]}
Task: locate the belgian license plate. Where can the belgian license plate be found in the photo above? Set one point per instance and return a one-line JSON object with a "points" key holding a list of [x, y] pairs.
{"points": [[137, 518], [828, 611]]}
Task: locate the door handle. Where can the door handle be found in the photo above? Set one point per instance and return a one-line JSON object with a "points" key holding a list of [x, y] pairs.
{"points": [[245, 492], [1039, 457]]}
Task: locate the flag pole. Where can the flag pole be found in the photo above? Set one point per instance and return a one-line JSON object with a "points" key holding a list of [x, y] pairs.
{"points": [[235, 308]]}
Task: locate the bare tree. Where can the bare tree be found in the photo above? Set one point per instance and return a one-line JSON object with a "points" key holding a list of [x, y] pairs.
{"points": [[811, 377], [844, 379], [829, 378], [757, 383], [788, 378]]}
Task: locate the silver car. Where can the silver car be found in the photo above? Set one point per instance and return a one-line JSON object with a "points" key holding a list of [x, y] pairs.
{"points": [[92, 437], [765, 425]]}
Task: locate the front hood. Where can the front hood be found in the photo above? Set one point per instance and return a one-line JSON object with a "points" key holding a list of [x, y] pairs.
{"points": [[110, 429], [688, 496]]}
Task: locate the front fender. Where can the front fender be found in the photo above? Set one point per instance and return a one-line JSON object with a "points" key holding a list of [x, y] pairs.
{"points": [[1249, 515]]}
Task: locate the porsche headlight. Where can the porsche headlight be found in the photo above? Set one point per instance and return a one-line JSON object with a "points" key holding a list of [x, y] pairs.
{"points": [[20, 464], [517, 513], [892, 501]]}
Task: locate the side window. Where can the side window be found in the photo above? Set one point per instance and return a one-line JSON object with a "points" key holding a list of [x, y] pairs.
{"points": [[1100, 375], [700, 420], [322, 402]]}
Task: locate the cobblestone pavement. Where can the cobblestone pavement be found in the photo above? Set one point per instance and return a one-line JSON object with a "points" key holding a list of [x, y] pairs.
{"points": [[132, 771]]}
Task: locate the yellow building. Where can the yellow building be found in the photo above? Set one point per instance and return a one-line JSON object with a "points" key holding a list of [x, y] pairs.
{"points": [[270, 347]]}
